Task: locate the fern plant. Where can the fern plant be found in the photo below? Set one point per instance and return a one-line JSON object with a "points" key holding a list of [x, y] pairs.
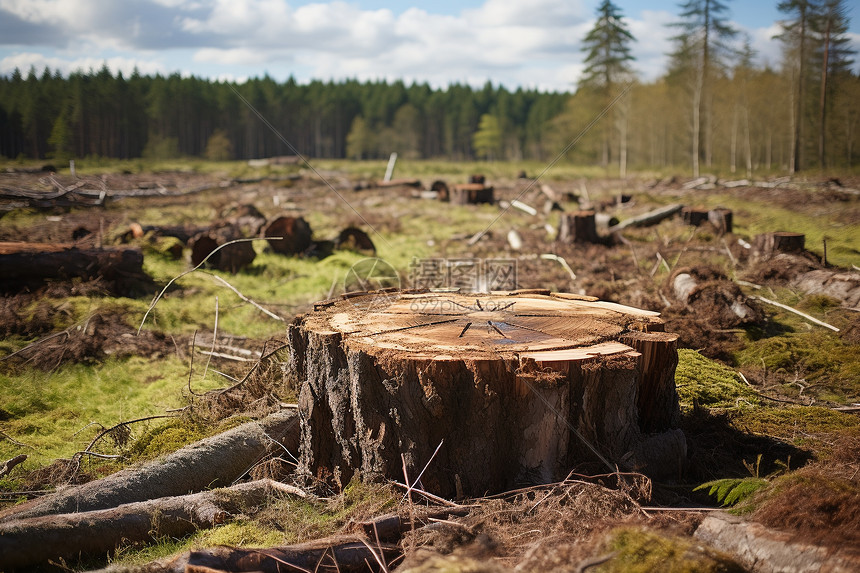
{"points": [[730, 491]]}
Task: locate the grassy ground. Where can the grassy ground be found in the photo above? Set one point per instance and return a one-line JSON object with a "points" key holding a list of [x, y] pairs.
{"points": [[52, 411]]}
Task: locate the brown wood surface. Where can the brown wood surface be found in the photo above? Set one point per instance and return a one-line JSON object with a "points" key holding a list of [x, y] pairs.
{"points": [[516, 386]]}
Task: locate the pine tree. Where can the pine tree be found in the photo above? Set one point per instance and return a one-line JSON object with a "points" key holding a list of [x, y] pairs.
{"points": [[796, 37], [702, 48], [487, 141], [607, 65], [831, 24]]}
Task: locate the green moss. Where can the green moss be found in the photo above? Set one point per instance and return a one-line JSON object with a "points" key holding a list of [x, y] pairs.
{"points": [[708, 383], [641, 551], [796, 424], [165, 438]]}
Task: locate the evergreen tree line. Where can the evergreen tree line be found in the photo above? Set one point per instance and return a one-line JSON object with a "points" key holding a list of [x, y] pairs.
{"points": [[712, 107]]}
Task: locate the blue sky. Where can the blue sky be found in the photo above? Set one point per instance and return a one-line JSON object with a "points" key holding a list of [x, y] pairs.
{"points": [[529, 43]]}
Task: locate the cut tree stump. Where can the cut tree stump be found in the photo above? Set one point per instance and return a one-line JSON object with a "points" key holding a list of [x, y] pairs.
{"points": [[470, 194], [515, 388], [578, 227], [232, 258], [295, 235], [721, 219], [31, 265], [766, 245], [694, 216]]}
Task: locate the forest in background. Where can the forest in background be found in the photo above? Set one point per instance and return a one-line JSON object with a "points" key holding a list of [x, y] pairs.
{"points": [[713, 108]]}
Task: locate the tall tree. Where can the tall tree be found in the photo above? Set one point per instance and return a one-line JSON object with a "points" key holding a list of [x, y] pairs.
{"points": [[701, 49], [831, 24], [607, 66], [795, 36]]}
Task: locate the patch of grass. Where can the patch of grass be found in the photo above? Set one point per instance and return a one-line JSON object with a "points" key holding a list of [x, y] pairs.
{"points": [[640, 551], [282, 521], [57, 413], [708, 383], [799, 425], [819, 360]]}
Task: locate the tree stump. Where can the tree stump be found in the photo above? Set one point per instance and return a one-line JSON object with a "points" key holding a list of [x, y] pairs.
{"points": [[694, 216], [721, 219], [232, 258], [295, 235], [769, 244], [578, 227], [471, 194], [516, 388]]}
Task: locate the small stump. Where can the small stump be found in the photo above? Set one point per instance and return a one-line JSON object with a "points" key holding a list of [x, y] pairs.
{"points": [[294, 233], [471, 194], [579, 227], [516, 388]]}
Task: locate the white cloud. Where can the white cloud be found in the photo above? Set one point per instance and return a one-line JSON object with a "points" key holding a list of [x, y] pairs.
{"points": [[24, 60]]}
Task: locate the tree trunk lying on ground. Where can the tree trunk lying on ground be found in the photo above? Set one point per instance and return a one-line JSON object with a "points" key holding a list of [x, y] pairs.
{"points": [[35, 540], [217, 461], [649, 218], [342, 554], [31, 265], [766, 550]]}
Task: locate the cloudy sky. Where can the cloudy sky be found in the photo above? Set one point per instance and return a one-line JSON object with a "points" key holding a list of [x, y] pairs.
{"points": [[529, 43]]}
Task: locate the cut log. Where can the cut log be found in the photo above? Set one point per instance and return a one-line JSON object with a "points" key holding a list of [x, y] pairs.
{"points": [[31, 265], [295, 235], [578, 227], [336, 554], [232, 258], [516, 388], [212, 462], [471, 194], [767, 245], [35, 540], [649, 218]]}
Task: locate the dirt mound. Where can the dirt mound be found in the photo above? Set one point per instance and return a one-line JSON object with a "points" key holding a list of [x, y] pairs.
{"points": [[782, 268]]}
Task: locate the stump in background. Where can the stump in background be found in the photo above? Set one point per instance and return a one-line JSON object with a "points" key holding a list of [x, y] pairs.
{"points": [[295, 235], [232, 258], [470, 194], [721, 219], [578, 227], [694, 216], [767, 245], [516, 388]]}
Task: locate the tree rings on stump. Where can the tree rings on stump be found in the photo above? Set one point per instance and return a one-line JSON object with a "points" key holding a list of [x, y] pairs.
{"points": [[516, 388]]}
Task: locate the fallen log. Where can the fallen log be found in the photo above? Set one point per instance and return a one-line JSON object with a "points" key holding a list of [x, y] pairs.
{"points": [[7, 466], [499, 380], [36, 540], [766, 550], [216, 461], [649, 218], [31, 265], [341, 554]]}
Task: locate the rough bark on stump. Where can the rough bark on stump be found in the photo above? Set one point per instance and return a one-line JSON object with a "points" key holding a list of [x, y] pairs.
{"points": [[295, 235], [498, 380], [579, 227]]}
